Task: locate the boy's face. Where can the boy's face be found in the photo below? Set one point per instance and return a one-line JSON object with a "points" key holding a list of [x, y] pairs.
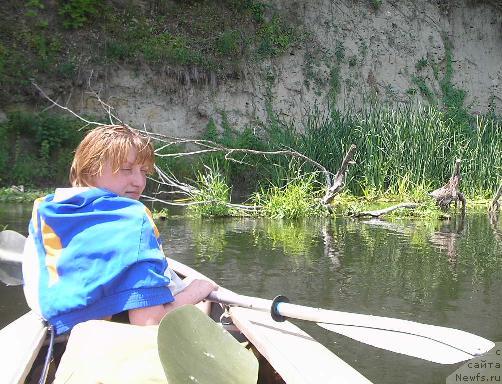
{"points": [[128, 181]]}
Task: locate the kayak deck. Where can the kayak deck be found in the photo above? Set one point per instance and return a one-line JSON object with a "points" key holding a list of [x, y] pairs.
{"points": [[21, 342], [286, 354], [294, 354]]}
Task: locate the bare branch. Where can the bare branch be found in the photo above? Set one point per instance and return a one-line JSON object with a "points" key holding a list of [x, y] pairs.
{"points": [[251, 208], [171, 181], [194, 147], [63, 107], [384, 211], [107, 108], [243, 207], [152, 198], [215, 147], [184, 154]]}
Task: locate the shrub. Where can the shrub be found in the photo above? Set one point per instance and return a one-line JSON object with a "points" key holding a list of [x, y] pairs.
{"points": [[38, 148], [77, 12]]}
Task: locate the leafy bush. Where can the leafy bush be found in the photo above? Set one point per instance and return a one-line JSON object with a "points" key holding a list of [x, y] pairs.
{"points": [[38, 148], [171, 48], [77, 12], [275, 37], [228, 43]]}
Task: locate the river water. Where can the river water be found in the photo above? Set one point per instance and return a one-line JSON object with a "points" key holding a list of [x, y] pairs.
{"points": [[443, 273]]}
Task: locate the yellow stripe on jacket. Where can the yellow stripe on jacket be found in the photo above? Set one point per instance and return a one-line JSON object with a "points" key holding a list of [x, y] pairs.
{"points": [[53, 249]]}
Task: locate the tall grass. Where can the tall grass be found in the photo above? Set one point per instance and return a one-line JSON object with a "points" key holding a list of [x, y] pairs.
{"points": [[404, 152], [407, 148]]}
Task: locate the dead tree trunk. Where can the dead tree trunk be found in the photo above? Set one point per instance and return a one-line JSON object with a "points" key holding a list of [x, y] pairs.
{"points": [[495, 205], [338, 182], [450, 191]]}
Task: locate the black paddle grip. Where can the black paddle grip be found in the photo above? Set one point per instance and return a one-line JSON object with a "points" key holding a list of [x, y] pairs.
{"points": [[273, 310]]}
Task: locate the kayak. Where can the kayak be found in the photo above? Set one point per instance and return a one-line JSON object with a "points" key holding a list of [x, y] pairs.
{"points": [[284, 352]]}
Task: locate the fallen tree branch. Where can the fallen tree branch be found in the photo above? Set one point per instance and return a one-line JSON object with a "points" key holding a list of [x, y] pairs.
{"points": [[213, 147], [384, 211], [250, 208], [88, 122], [192, 147]]}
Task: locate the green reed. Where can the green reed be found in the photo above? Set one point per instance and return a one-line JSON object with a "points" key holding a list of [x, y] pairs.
{"points": [[407, 148], [402, 154]]}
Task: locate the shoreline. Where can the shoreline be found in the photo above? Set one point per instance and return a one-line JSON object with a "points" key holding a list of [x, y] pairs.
{"points": [[19, 195]]}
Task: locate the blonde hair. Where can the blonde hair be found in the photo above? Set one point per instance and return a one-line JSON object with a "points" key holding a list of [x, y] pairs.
{"points": [[109, 143]]}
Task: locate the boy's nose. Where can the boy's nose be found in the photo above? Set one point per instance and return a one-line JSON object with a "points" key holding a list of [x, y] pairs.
{"points": [[138, 178]]}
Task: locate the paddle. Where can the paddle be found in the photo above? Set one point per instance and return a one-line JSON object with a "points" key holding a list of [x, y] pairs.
{"points": [[437, 344], [429, 342], [186, 335], [11, 250]]}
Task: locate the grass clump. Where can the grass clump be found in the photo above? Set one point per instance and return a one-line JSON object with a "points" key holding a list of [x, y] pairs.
{"points": [[77, 12], [299, 198], [274, 37], [213, 197], [402, 150]]}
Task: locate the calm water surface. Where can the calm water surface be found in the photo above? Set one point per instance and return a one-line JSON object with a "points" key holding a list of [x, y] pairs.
{"points": [[442, 273]]}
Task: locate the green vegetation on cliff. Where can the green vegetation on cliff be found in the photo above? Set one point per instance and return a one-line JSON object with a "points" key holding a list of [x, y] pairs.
{"points": [[58, 40]]}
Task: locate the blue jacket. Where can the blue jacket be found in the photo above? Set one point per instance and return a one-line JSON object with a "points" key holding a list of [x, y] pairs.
{"points": [[97, 254]]}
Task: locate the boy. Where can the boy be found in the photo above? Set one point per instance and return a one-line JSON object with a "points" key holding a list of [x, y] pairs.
{"points": [[93, 249]]}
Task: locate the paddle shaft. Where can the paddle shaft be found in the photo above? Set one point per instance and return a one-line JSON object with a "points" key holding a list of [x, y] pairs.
{"points": [[277, 308], [319, 315]]}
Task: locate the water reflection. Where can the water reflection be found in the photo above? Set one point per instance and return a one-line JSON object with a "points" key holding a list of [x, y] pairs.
{"points": [[444, 273], [209, 240], [493, 217], [446, 236], [332, 250]]}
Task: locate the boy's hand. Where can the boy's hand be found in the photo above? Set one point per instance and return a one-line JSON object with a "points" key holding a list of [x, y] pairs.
{"points": [[205, 286]]}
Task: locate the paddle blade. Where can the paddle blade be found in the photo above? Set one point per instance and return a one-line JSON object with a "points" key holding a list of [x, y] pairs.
{"points": [[408, 344], [11, 273], [11, 246], [11, 252], [194, 349]]}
